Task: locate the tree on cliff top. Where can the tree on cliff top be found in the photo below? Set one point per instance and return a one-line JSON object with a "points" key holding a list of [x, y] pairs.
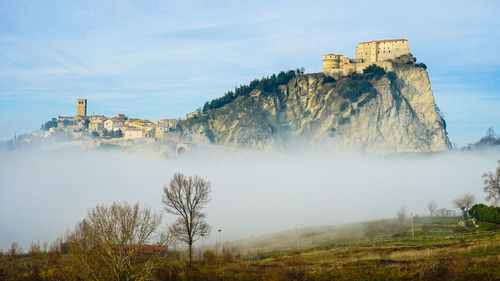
{"points": [[268, 85]]}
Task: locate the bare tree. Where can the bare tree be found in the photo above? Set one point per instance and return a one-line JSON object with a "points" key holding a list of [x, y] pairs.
{"points": [[14, 249], [432, 206], [402, 215], [492, 185], [186, 197], [444, 214], [109, 243], [464, 203]]}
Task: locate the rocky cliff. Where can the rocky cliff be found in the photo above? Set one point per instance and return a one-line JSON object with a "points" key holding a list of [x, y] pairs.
{"points": [[375, 112]]}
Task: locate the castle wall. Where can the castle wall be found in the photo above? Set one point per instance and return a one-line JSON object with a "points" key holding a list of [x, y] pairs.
{"points": [[386, 65], [335, 73], [357, 67]]}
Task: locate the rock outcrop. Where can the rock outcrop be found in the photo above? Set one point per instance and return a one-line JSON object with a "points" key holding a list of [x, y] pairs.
{"points": [[375, 112]]}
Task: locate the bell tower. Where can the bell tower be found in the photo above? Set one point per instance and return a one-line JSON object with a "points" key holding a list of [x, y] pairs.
{"points": [[81, 107]]}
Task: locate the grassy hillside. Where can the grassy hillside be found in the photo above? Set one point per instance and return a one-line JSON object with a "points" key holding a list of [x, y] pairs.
{"points": [[375, 250], [466, 258]]}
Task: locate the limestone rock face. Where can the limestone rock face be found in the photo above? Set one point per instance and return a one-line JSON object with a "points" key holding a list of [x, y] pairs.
{"points": [[399, 116]]}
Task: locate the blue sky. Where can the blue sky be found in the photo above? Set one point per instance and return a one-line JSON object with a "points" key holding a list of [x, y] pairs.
{"points": [[163, 59]]}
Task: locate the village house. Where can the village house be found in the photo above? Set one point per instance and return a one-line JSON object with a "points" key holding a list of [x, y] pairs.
{"points": [[120, 117], [96, 125], [113, 124], [133, 133], [167, 123]]}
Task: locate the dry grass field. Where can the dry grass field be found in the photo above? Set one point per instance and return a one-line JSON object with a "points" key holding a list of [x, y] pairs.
{"points": [[467, 258]]}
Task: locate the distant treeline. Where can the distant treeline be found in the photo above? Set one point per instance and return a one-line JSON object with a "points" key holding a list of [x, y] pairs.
{"points": [[268, 85], [52, 123], [489, 140]]}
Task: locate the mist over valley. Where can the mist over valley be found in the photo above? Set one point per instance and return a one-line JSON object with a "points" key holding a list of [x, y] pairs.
{"points": [[45, 193]]}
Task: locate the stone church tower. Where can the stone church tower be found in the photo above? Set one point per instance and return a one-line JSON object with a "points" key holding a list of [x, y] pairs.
{"points": [[81, 107]]}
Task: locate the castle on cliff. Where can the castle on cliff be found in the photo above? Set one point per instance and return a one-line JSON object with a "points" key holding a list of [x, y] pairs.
{"points": [[378, 52]]}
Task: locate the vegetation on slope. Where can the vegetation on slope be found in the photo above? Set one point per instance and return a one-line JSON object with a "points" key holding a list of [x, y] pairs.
{"points": [[268, 85]]}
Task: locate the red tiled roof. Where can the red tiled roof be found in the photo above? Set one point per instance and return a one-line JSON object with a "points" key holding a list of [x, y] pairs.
{"points": [[385, 40]]}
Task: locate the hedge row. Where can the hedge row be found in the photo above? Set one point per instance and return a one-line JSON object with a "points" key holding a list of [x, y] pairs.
{"points": [[485, 213]]}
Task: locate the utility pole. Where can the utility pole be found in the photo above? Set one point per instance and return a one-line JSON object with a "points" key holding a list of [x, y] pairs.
{"points": [[202, 246], [411, 222], [220, 240], [297, 237]]}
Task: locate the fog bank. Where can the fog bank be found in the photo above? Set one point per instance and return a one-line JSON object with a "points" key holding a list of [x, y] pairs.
{"points": [[44, 193]]}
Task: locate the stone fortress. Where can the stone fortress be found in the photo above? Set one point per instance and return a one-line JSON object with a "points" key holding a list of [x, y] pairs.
{"points": [[378, 52]]}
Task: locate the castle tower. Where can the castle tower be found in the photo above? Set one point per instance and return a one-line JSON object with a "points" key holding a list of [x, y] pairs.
{"points": [[332, 61], [333, 65], [81, 107]]}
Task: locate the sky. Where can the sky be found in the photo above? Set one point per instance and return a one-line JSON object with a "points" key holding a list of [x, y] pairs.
{"points": [[163, 59]]}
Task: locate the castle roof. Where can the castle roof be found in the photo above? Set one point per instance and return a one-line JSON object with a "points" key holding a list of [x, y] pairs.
{"points": [[385, 40], [333, 55]]}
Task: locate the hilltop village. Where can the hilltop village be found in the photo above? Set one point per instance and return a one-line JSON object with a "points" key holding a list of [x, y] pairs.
{"points": [[100, 126], [161, 137], [119, 126]]}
